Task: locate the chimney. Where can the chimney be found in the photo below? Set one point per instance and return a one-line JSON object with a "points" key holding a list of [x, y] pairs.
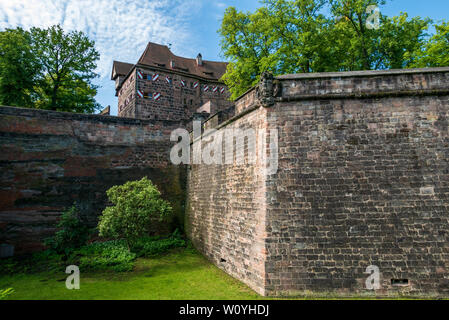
{"points": [[199, 59]]}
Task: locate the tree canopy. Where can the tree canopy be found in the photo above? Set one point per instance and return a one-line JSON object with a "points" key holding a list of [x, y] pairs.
{"points": [[48, 69], [18, 68], [302, 36]]}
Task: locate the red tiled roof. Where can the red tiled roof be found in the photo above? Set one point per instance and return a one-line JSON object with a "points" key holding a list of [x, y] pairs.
{"points": [[161, 56], [120, 69]]}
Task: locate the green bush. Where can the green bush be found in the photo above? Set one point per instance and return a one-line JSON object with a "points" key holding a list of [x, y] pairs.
{"points": [[136, 203], [8, 266], [47, 260], [100, 256], [72, 232], [114, 255], [5, 292], [151, 246]]}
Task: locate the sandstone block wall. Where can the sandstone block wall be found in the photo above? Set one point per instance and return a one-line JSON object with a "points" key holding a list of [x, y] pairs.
{"points": [[363, 180], [225, 216], [127, 98], [49, 160]]}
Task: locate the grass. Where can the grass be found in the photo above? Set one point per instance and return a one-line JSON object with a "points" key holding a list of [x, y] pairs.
{"points": [[182, 274]]}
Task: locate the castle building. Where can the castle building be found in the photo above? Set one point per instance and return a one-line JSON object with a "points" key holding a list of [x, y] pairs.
{"points": [[163, 86]]}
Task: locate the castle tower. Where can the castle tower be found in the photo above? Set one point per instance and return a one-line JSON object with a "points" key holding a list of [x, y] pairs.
{"points": [[164, 86]]}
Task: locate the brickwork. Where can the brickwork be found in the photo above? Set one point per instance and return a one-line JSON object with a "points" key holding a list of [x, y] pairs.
{"points": [[52, 159], [246, 101], [226, 208], [179, 98], [127, 98], [362, 181]]}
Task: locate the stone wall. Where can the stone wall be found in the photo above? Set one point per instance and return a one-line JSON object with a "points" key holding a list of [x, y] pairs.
{"points": [[226, 210], [363, 180], [50, 160], [127, 98]]}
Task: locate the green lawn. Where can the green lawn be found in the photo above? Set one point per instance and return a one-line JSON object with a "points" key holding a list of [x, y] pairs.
{"points": [[182, 274]]}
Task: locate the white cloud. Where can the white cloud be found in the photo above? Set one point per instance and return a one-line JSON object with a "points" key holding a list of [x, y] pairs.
{"points": [[120, 28], [220, 5]]}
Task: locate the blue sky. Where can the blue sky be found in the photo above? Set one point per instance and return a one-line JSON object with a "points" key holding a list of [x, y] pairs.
{"points": [[121, 28]]}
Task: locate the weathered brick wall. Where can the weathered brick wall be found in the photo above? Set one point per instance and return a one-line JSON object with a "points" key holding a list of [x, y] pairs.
{"points": [[49, 160], [362, 180], [127, 98], [246, 101], [225, 212]]}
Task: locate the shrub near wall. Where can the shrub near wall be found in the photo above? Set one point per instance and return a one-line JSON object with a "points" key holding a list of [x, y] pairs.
{"points": [[135, 205], [52, 159]]}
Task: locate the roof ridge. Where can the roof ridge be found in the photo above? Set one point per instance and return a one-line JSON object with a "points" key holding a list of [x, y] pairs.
{"points": [[161, 55]]}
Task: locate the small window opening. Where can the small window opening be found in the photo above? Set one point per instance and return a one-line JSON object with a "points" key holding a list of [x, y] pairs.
{"points": [[222, 260], [399, 282]]}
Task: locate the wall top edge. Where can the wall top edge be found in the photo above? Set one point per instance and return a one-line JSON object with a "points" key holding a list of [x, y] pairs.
{"points": [[49, 114], [369, 73]]}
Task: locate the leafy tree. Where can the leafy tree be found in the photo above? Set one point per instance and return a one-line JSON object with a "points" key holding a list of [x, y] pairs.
{"points": [[399, 38], [297, 36], [74, 96], [136, 204], [281, 37], [72, 233], [48, 69], [68, 61], [18, 68], [352, 17], [435, 52], [243, 42], [366, 48], [301, 35]]}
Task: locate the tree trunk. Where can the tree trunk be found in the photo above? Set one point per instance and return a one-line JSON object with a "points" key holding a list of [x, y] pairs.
{"points": [[54, 97]]}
